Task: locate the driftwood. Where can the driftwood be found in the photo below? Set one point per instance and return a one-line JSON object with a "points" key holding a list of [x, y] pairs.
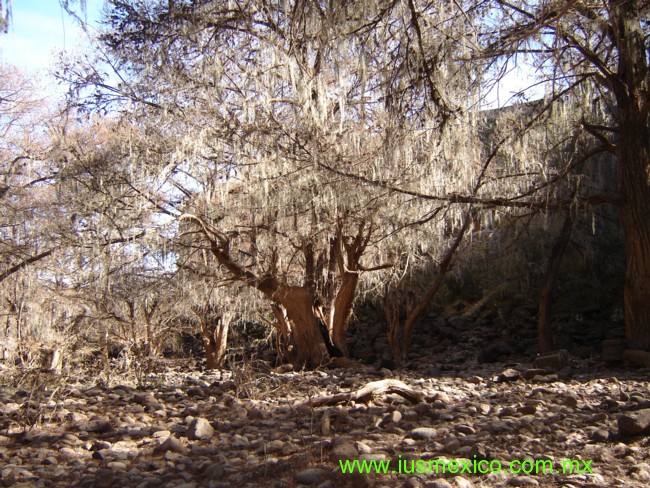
{"points": [[365, 394]]}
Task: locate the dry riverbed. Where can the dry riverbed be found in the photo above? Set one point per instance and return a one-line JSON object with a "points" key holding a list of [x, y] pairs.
{"points": [[234, 428]]}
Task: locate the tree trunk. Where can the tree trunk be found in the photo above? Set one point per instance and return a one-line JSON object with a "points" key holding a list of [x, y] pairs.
{"points": [[305, 334], [215, 341], [399, 338], [546, 296], [634, 168], [343, 309]]}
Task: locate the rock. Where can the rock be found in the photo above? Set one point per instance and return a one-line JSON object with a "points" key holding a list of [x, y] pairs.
{"points": [[523, 481], [439, 483], [343, 450], [529, 374], [200, 429], [465, 429], [309, 476], [463, 482], [508, 375], [214, 471], [634, 423], [554, 361], [144, 399], [570, 401], [422, 433], [396, 416], [170, 444], [600, 435], [284, 368], [640, 358], [271, 447], [98, 426], [640, 472], [498, 427]]}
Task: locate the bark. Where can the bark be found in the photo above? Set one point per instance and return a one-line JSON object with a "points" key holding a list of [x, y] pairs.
{"points": [[214, 332], [343, 310], [305, 334], [546, 296], [633, 151]]}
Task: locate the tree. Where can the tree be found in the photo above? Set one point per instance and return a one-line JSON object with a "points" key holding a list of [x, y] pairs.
{"points": [[258, 115], [594, 52], [26, 174]]}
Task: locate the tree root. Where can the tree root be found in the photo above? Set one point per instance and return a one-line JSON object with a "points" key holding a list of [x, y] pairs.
{"points": [[365, 394]]}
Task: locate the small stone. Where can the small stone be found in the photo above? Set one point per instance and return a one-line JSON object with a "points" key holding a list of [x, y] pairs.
{"points": [[523, 481], [634, 423], [640, 472], [257, 414], [117, 465], [465, 429], [498, 427], [440, 483], [529, 374], [309, 476], [570, 401], [161, 434], [199, 429], [463, 482], [343, 450], [485, 408], [422, 433], [98, 426], [600, 435], [554, 361], [99, 455], [214, 471], [170, 444], [508, 375], [271, 447], [363, 448], [527, 409]]}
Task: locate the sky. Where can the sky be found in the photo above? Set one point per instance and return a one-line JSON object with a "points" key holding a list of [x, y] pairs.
{"points": [[39, 30]]}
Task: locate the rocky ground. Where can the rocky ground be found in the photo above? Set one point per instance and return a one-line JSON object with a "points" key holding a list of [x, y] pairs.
{"points": [[256, 426]]}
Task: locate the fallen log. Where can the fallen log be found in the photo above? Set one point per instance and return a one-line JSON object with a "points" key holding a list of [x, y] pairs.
{"points": [[368, 392]]}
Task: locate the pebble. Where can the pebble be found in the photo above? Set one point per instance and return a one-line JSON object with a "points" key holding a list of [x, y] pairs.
{"points": [[200, 428], [634, 423], [310, 476], [422, 433]]}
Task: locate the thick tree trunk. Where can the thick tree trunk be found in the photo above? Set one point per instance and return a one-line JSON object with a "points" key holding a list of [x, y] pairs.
{"points": [[305, 334], [631, 90], [546, 296], [635, 215]]}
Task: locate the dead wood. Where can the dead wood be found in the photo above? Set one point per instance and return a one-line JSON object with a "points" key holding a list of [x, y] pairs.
{"points": [[365, 394]]}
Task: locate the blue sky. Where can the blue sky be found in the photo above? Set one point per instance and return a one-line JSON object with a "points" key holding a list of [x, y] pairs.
{"points": [[39, 30]]}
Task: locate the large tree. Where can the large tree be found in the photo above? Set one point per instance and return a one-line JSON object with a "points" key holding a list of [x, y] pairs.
{"points": [[594, 52], [257, 113]]}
